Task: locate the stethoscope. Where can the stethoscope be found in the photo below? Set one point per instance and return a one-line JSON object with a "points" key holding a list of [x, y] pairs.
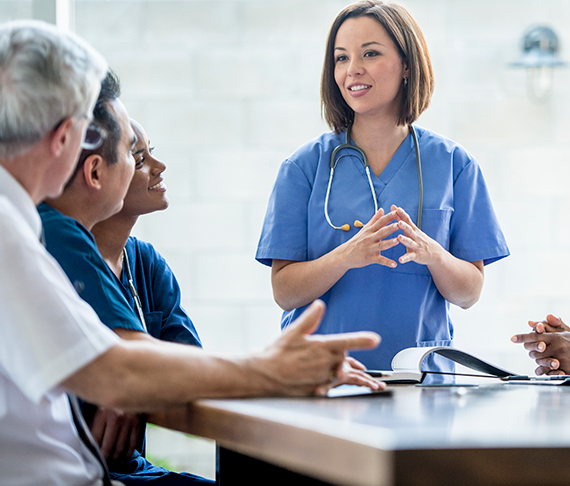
{"points": [[133, 289], [364, 160]]}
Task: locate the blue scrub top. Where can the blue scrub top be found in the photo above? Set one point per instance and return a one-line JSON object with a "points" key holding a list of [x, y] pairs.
{"points": [[159, 293], [402, 304], [75, 249]]}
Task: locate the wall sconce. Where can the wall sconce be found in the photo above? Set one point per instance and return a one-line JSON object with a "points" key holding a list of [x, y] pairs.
{"points": [[539, 45]]}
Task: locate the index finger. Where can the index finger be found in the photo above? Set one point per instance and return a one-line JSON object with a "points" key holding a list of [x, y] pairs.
{"points": [[544, 326], [539, 328], [379, 220], [357, 365], [556, 322], [402, 215], [350, 340], [527, 338], [533, 324]]}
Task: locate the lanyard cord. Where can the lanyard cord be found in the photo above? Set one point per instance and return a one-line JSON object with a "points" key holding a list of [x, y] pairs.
{"points": [[420, 177], [133, 289], [87, 438]]}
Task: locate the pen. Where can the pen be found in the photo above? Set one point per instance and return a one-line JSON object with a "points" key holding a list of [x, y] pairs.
{"points": [[375, 373], [539, 378], [550, 377]]}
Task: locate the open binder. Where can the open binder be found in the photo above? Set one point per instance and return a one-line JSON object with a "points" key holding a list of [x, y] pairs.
{"points": [[407, 369], [407, 365]]}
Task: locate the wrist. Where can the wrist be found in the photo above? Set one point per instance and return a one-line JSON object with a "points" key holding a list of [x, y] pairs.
{"points": [[341, 257], [260, 377], [438, 255]]}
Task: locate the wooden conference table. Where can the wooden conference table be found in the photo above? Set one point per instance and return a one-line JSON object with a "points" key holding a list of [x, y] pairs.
{"points": [[487, 434]]}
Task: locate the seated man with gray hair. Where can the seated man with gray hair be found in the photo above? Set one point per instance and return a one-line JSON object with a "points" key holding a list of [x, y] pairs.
{"points": [[52, 341]]}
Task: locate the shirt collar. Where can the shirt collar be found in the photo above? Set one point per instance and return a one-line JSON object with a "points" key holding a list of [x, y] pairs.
{"points": [[20, 198]]}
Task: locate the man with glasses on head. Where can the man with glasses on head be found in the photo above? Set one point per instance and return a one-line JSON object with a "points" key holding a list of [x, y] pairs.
{"points": [[52, 341]]}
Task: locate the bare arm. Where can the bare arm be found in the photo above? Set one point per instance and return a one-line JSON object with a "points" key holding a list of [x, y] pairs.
{"points": [[296, 284], [149, 375], [458, 281]]}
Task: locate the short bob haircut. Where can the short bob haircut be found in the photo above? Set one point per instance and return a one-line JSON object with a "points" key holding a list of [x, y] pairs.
{"points": [[408, 37]]}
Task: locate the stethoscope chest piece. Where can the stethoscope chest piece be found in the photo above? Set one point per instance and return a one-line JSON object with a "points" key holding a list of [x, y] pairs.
{"points": [[335, 159]]}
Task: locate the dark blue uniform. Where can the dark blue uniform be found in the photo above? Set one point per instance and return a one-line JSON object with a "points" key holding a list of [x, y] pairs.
{"points": [[74, 247]]}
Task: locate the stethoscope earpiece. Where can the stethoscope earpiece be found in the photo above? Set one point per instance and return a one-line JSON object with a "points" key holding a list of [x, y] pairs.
{"points": [[334, 161]]}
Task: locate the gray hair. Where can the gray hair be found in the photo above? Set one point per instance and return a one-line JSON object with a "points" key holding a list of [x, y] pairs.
{"points": [[46, 76]]}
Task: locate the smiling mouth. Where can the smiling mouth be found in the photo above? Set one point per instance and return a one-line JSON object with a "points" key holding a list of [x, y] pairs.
{"points": [[158, 185], [359, 87]]}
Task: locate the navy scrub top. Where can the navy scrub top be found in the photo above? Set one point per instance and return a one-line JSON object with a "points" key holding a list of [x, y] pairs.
{"points": [[159, 293], [75, 249]]}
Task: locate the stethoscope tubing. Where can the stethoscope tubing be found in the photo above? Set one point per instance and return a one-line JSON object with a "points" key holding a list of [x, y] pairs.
{"points": [[133, 290], [347, 145], [420, 177]]}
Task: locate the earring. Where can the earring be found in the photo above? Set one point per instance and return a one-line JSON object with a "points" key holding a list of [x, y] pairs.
{"points": [[405, 82]]}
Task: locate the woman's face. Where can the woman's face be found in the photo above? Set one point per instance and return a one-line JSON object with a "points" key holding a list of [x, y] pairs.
{"points": [[368, 68], [147, 192]]}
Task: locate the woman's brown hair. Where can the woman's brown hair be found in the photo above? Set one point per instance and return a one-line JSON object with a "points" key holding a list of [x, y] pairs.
{"points": [[408, 37]]}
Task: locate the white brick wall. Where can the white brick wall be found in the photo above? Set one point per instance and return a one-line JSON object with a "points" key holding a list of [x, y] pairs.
{"points": [[227, 89]]}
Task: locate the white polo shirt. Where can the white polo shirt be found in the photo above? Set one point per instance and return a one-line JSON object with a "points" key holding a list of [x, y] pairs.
{"points": [[47, 332]]}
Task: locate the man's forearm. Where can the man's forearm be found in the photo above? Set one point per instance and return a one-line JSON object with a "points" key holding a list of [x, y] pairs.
{"points": [[145, 375], [148, 376]]}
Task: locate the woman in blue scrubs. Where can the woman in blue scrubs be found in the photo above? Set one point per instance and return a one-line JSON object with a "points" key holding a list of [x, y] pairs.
{"points": [[388, 275], [153, 279], [164, 317]]}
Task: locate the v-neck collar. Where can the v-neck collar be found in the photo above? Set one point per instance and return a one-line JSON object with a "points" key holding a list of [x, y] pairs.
{"points": [[404, 151]]}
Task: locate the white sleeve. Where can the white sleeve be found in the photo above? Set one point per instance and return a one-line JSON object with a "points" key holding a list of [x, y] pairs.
{"points": [[47, 331]]}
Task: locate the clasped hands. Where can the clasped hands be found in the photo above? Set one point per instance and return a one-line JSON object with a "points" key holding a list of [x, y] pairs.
{"points": [[366, 246], [548, 344], [116, 432]]}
